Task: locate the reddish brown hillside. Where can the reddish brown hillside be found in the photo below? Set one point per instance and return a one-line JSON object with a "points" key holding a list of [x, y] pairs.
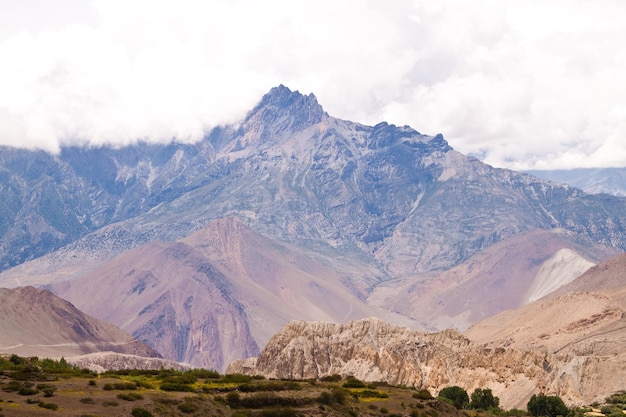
{"points": [[35, 322]]}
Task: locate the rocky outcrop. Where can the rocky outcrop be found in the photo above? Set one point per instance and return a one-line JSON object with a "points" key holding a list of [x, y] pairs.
{"points": [[107, 361], [373, 350]]}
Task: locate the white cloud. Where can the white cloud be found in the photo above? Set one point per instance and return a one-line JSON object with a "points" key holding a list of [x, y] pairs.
{"points": [[521, 84]]}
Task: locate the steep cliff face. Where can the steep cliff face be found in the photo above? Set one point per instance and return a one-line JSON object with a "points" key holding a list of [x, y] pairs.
{"points": [[373, 350]]}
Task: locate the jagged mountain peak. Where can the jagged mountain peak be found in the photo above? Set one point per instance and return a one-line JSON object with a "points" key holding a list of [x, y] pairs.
{"points": [[280, 113], [283, 98]]}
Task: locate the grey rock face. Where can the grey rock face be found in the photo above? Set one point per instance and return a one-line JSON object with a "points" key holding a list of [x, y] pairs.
{"points": [[385, 194]]}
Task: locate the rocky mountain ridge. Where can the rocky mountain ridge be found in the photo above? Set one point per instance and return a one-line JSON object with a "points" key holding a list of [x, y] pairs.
{"points": [[290, 171]]}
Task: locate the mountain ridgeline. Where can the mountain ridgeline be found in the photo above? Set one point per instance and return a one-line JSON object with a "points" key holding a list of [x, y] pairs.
{"points": [[289, 170]]}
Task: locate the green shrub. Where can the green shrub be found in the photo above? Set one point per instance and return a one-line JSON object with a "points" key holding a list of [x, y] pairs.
{"points": [[176, 386], [87, 400], [141, 412], [423, 394], [28, 391], [546, 405], [188, 407], [236, 378], [331, 378], [279, 412], [49, 406], [368, 393], [353, 383], [12, 386], [483, 399], [130, 396], [233, 399], [456, 395], [125, 386]]}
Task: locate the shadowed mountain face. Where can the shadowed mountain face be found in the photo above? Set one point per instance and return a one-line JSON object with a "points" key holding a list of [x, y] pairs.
{"points": [[37, 323], [355, 220]]}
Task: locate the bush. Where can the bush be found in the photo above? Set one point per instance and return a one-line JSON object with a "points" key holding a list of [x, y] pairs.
{"points": [[354, 383], [456, 395], [236, 378], [141, 412], [176, 386], [110, 403], [546, 405], [483, 399], [28, 391], [233, 399], [131, 396], [188, 408], [87, 400], [423, 394], [331, 378], [125, 386], [49, 406]]}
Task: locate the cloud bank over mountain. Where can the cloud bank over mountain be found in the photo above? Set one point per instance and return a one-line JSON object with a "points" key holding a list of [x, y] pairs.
{"points": [[520, 85]]}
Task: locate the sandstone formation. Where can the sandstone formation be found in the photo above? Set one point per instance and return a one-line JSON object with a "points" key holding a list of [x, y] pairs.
{"points": [[373, 350], [104, 361]]}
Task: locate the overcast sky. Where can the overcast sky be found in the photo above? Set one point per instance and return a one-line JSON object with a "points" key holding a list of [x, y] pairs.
{"points": [[519, 84]]}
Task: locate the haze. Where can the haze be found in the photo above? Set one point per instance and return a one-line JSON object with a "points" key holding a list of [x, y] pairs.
{"points": [[534, 84]]}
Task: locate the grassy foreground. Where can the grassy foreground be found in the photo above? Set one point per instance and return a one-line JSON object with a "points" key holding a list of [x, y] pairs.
{"points": [[33, 387]]}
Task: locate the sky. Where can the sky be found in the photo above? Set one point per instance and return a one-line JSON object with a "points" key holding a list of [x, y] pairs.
{"points": [[520, 84]]}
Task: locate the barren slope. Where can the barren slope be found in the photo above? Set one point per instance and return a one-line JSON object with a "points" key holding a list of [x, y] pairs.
{"points": [[37, 323], [587, 316], [218, 294], [503, 276]]}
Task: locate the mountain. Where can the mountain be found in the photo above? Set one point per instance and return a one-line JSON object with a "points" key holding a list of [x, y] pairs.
{"points": [[216, 295], [591, 180], [289, 170], [585, 317], [35, 322], [372, 220], [372, 350]]}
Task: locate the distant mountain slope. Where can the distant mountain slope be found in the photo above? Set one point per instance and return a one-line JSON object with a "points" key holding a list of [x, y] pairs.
{"points": [[218, 294], [591, 180], [588, 327], [586, 315], [504, 276], [35, 322]]}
